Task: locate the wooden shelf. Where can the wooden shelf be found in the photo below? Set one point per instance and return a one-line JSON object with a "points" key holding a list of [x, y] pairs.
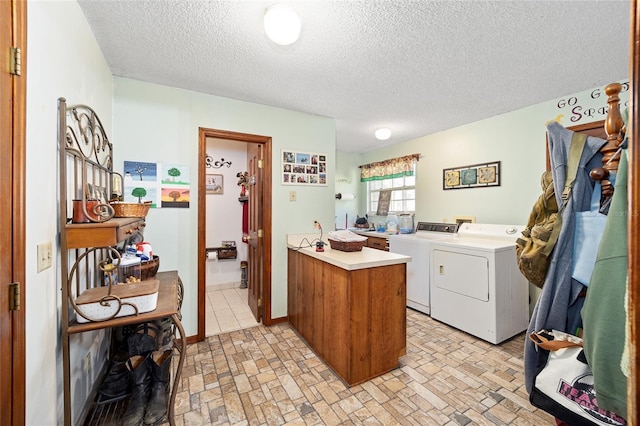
{"points": [[168, 304], [102, 234], [224, 252]]}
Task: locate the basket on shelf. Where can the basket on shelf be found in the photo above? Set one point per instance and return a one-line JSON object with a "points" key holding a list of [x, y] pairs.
{"points": [[130, 209], [346, 245], [149, 268]]}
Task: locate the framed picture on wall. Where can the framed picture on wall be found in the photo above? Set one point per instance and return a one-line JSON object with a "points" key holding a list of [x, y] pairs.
{"points": [[303, 168], [214, 184], [473, 176]]}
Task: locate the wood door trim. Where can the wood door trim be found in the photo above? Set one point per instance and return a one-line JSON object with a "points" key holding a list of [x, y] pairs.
{"points": [[203, 134], [18, 35]]}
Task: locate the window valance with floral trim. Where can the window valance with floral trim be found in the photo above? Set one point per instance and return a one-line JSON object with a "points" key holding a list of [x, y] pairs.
{"points": [[387, 169]]}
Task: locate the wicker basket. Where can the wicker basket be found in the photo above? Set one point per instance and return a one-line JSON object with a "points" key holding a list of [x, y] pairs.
{"points": [[149, 268], [346, 245], [131, 209]]}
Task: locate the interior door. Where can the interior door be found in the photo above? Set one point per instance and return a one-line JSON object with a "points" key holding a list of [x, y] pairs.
{"points": [[12, 228], [255, 153]]}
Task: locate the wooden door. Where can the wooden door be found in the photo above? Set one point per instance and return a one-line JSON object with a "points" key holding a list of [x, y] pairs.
{"points": [[12, 228], [255, 251]]}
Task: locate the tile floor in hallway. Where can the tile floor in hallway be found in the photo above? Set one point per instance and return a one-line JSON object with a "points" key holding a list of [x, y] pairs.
{"points": [[269, 376], [227, 309]]}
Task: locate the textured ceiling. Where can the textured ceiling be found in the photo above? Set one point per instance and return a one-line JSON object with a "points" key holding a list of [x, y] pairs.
{"points": [[418, 67]]}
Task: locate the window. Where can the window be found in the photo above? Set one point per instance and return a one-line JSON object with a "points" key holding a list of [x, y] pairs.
{"points": [[396, 175], [403, 194]]}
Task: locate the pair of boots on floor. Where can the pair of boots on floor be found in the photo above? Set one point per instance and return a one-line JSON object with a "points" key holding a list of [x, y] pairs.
{"points": [[150, 376]]}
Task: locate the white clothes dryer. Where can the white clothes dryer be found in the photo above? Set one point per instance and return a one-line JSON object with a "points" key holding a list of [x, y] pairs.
{"points": [[476, 285]]}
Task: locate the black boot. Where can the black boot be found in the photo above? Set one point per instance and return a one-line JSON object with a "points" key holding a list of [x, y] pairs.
{"points": [[140, 388], [160, 376], [116, 383], [166, 334], [143, 338]]}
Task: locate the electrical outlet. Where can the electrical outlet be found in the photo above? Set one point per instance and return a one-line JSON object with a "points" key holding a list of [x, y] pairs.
{"points": [[292, 196], [87, 364], [316, 224], [44, 256]]}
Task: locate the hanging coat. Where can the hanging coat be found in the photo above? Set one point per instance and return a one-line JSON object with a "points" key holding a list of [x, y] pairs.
{"points": [[603, 313], [559, 304]]}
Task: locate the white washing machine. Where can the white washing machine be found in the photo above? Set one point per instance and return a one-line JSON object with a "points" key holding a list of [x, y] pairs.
{"points": [[416, 245], [476, 285]]}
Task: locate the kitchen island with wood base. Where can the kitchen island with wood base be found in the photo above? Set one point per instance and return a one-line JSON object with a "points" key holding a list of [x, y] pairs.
{"points": [[350, 307]]}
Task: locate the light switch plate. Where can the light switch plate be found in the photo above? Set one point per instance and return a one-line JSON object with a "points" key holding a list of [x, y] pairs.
{"points": [[44, 256], [292, 196]]}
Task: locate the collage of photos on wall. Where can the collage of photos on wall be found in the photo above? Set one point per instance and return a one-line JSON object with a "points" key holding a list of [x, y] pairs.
{"points": [[303, 168]]}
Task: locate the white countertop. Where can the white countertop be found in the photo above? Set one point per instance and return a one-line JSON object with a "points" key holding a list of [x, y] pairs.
{"points": [[351, 261]]}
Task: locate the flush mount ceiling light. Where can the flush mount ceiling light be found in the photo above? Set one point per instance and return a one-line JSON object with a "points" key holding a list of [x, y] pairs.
{"points": [[383, 134], [282, 24]]}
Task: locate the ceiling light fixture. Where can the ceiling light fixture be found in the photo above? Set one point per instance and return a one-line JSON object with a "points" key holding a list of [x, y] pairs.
{"points": [[383, 133], [282, 24]]}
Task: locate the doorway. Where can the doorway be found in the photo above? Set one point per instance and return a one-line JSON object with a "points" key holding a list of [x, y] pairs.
{"points": [[226, 267], [258, 294]]}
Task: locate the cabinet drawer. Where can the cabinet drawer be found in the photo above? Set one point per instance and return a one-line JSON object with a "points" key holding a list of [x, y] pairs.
{"points": [[378, 243], [125, 231], [105, 234]]}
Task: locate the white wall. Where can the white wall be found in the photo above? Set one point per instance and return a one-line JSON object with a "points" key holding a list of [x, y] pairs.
{"points": [[224, 213], [160, 124], [63, 60], [348, 182]]}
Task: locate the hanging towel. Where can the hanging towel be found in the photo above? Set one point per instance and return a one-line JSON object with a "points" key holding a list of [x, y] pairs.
{"points": [[603, 314], [245, 220]]}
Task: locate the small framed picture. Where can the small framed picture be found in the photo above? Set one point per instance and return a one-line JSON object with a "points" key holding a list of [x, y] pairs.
{"points": [[468, 176], [214, 184], [487, 174], [98, 193]]}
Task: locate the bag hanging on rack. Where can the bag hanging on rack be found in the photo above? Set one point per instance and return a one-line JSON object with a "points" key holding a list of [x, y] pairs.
{"points": [[588, 233], [563, 385], [535, 246]]}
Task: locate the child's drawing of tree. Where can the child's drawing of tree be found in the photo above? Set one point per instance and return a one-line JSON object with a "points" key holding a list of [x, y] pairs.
{"points": [[174, 173], [175, 195], [140, 171], [139, 192]]}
